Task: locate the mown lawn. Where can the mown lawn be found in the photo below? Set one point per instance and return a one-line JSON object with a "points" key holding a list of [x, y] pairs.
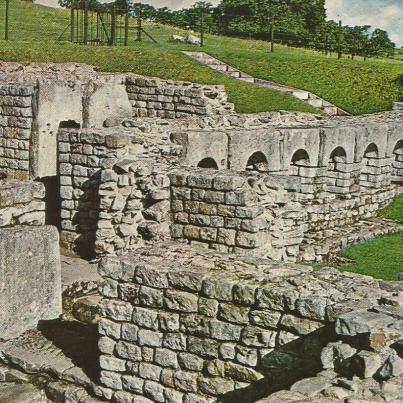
{"points": [[355, 85], [381, 257]]}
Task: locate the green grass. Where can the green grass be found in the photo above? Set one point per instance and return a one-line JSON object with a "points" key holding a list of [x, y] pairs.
{"points": [[394, 211], [355, 85], [380, 258], [34, 30]]}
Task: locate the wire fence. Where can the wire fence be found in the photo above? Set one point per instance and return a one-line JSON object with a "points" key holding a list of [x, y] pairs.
{"points": [[20, 20]]}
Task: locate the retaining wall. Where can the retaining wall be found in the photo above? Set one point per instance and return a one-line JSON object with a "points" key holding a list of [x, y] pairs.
{"points": [[271, 215], [153, 97], [193, 325]]}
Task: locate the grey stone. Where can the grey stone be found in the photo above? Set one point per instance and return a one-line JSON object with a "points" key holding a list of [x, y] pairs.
{"points": [[154, 391], [392, 367], [149, 338], [175, 341], [224, 331], [36, 276], [133, 383], [190, 362], [181, 301], [128, 351], [186, 381], [311, 386], [110, 363], [149, 371], [17, 393], [368, 363], [166, 358], [111, 380]]}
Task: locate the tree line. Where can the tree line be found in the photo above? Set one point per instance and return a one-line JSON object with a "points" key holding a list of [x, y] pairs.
{"points": [[301, 23]]}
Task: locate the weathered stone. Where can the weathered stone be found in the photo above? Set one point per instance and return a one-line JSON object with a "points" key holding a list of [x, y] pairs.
{"points": [[36, 276], [166, 358], [180, 301], [186, 381], [149, 338], [190, 362]]}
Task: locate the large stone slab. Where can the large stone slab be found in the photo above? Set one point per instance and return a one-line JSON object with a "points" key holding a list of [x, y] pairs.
{"points": [[30, 278]]}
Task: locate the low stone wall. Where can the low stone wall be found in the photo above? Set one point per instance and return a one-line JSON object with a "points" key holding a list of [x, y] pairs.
{"points": [[271, 215], [30, 279], [219, 210], [21, 203], [197, 325], [16, 116], [153, 97], [114, 189]]}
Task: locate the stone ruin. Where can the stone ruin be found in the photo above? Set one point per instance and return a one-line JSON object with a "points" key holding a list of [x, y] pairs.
{"points": [[200, 218]]}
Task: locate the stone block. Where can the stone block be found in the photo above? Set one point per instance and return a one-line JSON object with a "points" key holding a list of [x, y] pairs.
{"points": [[30, 278]]}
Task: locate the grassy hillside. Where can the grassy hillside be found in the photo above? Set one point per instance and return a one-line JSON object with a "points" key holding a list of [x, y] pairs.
{"points": [[357, 86], [34, 31]]}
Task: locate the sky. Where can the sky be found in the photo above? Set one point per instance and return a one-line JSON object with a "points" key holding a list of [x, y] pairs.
{"points": [[384, 14]]}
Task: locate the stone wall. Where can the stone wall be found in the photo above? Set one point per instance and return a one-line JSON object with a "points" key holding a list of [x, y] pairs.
{"points": [[114, 189], [363, 363], [82, 156], [219, 210], [156, 98], [16, 115], [193, 325], [271, 215], [30, 279], [21, 203]]}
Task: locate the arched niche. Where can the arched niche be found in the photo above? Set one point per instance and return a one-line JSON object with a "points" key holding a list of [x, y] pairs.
{"points": [[397, 164], [369, 167], [257, 162], [300, 159], [207, 163], [337, 157]]}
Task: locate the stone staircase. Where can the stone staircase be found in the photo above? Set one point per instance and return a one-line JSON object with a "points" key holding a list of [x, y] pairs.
{"points": [[305, 96]]}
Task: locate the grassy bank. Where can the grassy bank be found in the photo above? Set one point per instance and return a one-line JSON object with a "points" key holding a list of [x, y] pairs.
{"points": [[355, 85]]}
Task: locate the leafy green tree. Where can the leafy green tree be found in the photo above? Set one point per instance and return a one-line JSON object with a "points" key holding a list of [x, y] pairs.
{"points": [[380, 44], [356, 40]]}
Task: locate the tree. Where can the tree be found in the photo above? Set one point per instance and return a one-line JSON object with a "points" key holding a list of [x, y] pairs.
{"points": [[356, 40], [380, 44]]}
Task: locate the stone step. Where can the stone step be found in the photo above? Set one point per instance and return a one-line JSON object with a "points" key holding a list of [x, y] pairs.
{"points": [[331, 110], [302, 95], [21, 393], [316, 103]]}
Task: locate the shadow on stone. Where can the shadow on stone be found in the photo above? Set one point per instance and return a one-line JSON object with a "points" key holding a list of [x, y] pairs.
{"points": [[284, 366], [77, 341], [86, 217]]}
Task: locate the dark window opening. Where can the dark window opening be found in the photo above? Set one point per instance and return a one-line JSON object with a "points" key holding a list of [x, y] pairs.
{"points": [[69, 124], [207, 163]]}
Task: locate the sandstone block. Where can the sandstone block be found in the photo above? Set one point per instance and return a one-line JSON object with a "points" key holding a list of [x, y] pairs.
{"points": [[35, 276]]}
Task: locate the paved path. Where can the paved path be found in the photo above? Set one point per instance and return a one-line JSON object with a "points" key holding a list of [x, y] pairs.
{"points": [[305, 96]]}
